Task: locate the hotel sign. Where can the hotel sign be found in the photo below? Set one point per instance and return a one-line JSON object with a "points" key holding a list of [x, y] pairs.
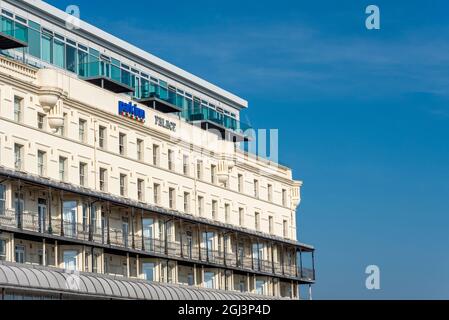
{"points": [[164, 123], [131, 111]]}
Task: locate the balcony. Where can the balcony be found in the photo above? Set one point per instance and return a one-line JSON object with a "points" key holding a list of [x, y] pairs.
{"points": [[209, 119], [118, 239], [109, 78], [13, 35], [155, 101]]}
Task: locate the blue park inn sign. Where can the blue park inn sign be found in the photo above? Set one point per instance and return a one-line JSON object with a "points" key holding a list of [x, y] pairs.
{"points": [[131, 111]]}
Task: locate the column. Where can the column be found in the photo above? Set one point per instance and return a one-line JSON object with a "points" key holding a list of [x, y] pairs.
{"points": [[89, 219], [207, 245], [61, 212], [272, 258], [56, 254], [310, 292], [195, 282], [236, 249], [165, 236], [300, 262], [49, 201], [252, 253], [296, 263], [141, 228], [83, 259], [180, 238], [282, 259], [20, 211], [225, 247], [127, 265], [133, 241], [108, 214], [138, 266], [92, 255], [202, 276], [248, 282], [44, 253], [12, 250], [199, 242]]}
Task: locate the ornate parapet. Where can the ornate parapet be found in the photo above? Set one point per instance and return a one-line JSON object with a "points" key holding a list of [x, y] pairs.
{"points": [[18, 70]]}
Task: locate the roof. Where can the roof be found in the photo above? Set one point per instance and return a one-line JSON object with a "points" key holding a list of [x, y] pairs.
{"points": [[51, 280], [164, 65]]}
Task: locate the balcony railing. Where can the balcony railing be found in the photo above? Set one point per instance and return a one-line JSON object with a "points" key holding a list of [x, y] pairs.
{"points": [[31, 221]]}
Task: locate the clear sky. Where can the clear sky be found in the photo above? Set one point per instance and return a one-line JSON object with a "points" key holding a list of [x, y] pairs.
{"points": [[363, 119]]}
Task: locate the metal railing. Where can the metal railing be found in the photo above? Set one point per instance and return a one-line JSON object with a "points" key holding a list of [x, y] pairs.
{"points": [[31, 221]]}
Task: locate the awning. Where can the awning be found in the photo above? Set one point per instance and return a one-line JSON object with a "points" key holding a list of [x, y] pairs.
{"points": [[46, 280]]}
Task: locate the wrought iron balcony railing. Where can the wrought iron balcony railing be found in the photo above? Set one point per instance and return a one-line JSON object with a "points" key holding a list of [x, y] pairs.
{"points": [[32, 221]]}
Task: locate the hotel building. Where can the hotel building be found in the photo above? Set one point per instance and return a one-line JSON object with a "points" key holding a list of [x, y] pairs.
{"points": [[124, 177]]}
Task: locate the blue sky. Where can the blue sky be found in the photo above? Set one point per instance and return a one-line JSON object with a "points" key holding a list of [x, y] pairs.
{"points": [[363, 118]]}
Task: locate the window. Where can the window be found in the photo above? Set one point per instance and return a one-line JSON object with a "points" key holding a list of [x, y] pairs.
{"points": [[214, 209], [270, 224], [199, 169], [256, 188], [70, 58], [148, 271], [157, 193], [85, 213], [141, 189], [155, 154], [102, 137], [123, 184], [186, 202], [209, 280], [19, 202], [140, 148], [18, 157], [227, 213], [213, 174], [257, 221], [62, 168], [41, 160], [2, 250], [171, 164], [82, 130], [185, 165], [125, 231], [260, 286], [70, 260], [285, 227], [284, 197], [103, 179], [19, 254], [270, 192], [240, 182], [2, 200], [242, 286], [18, 106], [200, 205], [171, 198], [122, 143], [241, 217], [40, 121], [69, 212], [83, 174]]}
